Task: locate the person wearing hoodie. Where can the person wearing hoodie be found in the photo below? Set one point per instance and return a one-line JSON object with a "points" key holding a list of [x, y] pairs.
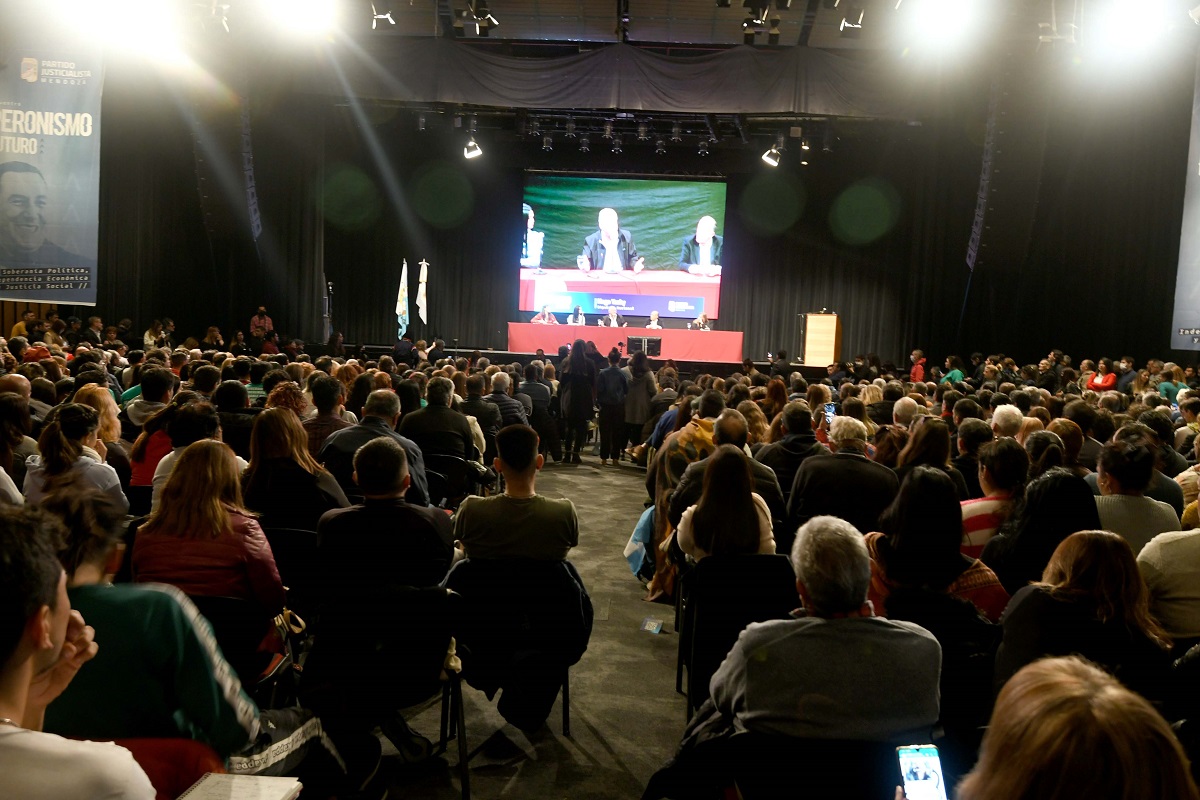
{"points": [[157, 384], [918, 366]]}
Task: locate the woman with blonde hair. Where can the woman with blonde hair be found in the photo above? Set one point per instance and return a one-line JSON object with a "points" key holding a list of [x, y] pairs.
{"points": [[283, 482], [1092, 602], [1063, 729], [756, 421], [202, 539], [116, 452]]}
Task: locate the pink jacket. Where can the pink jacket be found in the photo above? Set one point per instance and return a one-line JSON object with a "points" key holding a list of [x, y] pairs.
{"points": [[237, 564]]}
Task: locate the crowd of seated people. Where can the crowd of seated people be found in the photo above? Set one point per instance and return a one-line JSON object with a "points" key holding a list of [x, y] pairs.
{"points": [[965, 526]]}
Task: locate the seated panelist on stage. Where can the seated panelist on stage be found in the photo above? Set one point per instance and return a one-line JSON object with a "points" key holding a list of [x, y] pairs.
{"points": [[611, 248], [701, 323], [544, 317], [701, 254], [654, 324], [612, 320], [532, 242], [577, 317]]}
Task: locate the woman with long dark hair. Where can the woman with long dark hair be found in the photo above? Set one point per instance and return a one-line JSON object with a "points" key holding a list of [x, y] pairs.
{"points": [[730, 517], [577, 387], [919, 547], [153, 443], [284, 484], [1090, 602], [929, 445], [70, 430], [16, 444]]}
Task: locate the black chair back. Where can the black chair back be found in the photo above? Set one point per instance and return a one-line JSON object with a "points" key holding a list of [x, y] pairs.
{"points": [[450, 479], [240, 627], [140, 498], [770, 767], [296, 557], [725, 594], [381, 650]]}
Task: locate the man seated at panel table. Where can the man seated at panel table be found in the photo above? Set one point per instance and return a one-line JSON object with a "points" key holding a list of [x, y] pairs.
{"points": [[654, 324], [611, 248], [544, 317], [612, 320], [701, 254]]}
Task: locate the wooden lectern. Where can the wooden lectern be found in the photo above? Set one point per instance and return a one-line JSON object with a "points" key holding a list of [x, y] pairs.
{"points": [[822, 339]]}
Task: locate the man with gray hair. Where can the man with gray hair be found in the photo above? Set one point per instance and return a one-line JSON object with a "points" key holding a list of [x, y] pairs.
{"points": [[380, 414], [1006, 421], [837, 671], [904, 411], [848, 485], [438, 428], [512, 411]]}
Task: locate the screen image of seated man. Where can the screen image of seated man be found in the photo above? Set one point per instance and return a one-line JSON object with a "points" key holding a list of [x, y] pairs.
{"points": [[532, 243], [24, 198], [701, 254], [611, 248]]}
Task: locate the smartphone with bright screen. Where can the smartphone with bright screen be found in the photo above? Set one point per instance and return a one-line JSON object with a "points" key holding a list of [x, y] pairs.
{"points": [[829, 413], [921, 769]]}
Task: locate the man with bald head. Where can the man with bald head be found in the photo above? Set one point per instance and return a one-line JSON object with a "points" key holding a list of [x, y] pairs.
{"points": [[730, 428], [18, 384], [701, 254], [610, 249]]}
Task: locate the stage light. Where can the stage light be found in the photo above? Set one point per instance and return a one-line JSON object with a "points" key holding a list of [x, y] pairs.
{"points": [[771, 157], [547, 143], [702, 148], [804, 144], [1124, 28], [303, 17], [585, 144], [942, 25], [376, 17], [643, 132], [804, 163], [676, 132], [147, 28], [570, 129], [421, 122], [660, 147], [608, 130], [472, 149], [773, 32], [616, 145]]}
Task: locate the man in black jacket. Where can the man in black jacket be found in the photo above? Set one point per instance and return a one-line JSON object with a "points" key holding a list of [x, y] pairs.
{"points": [[798, 444], [848, 485], [485, 412], [511, 410], [437, 428], [381, 412]]}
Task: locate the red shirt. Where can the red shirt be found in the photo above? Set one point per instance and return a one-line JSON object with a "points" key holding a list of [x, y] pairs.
{"points": [[143, 471], [1103, 383]]}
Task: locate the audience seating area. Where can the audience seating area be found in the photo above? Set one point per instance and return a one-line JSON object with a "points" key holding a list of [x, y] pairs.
{"points": [[1012, 519]]}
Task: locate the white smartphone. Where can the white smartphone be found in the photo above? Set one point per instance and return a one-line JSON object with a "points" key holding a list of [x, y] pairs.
{"points": [[921, 768]]}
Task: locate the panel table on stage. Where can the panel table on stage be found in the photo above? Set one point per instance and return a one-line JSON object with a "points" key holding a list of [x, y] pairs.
{"points": [[666, 283], [723, 347]]}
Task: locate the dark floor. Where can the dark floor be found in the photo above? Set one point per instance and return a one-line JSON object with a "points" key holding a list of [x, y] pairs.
{"points": [[625, 715]]}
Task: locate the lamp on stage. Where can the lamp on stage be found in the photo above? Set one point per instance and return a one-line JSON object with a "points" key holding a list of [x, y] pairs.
{"points": [[772, 156]]}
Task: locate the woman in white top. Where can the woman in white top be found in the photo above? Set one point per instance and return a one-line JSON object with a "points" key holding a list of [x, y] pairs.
{"points": [[70, 446], [730, 518]]}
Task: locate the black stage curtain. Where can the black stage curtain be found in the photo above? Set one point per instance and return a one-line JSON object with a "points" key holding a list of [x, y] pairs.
{"points": [[1099, 277]]}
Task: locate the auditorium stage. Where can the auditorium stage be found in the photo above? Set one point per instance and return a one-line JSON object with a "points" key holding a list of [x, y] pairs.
{"points": [[718, 347], [632, 293]]}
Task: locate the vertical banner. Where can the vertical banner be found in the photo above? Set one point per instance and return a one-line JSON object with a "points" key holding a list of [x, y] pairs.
{"points": [[1185, 320], [49, 171]]}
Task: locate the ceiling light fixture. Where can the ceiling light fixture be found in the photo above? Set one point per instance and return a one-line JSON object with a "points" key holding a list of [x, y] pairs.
{"points": [[472, 149], [702, 148], [376, 16], [547, 143], [616, 145], [643, 132], [660, 147], [771, 157], [852, 23], [676, 132], [585, 144]]}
